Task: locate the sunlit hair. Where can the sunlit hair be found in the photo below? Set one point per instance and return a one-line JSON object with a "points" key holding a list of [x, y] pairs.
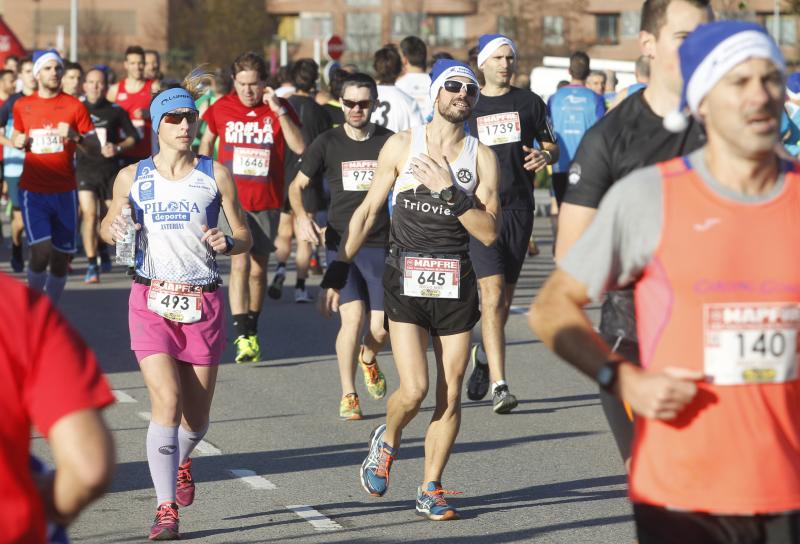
{"points": [[198, 81]]}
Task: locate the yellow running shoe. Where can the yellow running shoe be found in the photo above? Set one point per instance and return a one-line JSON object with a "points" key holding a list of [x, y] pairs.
{"points": [[247, 349], [350, 408], [373, 377]]}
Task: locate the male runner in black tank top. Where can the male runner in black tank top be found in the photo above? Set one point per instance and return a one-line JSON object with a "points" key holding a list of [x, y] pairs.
{"points": [[430, 290], [507, 119], [347, 157], [631, 136]]}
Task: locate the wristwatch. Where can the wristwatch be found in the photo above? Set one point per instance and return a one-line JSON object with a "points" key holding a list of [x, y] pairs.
{"points": [[446, 194], [607, 375]]}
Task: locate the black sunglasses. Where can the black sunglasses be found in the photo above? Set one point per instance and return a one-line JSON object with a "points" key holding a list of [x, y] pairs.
{"points": [[176, 118], [350, 104], [454, 86]]}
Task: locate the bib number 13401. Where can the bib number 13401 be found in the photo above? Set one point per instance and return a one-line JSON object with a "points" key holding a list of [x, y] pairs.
{"points": [[751, 343]]}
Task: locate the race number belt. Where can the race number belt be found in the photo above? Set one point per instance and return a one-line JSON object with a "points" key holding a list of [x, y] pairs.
{"points": [[751, 342], [250, 161], [179, 302], [46, 140], [499, 128], [435, 276]]}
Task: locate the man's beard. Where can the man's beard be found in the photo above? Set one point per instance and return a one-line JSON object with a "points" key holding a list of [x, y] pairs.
{"points": [[454, 116], [360, 124]]}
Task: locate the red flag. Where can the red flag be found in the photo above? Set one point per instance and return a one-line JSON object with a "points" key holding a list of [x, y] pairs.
{"points": [[9, 43]]}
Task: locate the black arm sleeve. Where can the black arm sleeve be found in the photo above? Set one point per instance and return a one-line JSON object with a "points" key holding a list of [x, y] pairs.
{"points": [[544, 131], [590, 174]]}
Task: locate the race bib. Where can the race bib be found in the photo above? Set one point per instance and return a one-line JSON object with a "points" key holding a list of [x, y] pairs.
{"points": [[358, 175], [748, 343], [102, 135], [46, 140], [177, 302], [139, 125], [431, 278], [500, 128], [250, 161]]}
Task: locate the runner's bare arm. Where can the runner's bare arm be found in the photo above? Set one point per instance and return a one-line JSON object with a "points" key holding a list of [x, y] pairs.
{"points": [[558, 319], [482, 220], [19, 139], [207, 143], [307, 228], [291, 131], [112, 222], [242, 240], [83, 451], [573, 220], [392, 157]]}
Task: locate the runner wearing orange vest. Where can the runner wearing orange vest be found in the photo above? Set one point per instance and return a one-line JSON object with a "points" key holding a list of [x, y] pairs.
{"points": [[716, 454]]}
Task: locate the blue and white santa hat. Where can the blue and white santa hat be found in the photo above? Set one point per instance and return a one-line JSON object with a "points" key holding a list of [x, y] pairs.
{"points": [[43, 56], [489, 43], [444, 69], [710, 52]]}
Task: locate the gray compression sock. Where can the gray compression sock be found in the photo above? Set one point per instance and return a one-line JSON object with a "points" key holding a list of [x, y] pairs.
{"points": [[162, 458]]}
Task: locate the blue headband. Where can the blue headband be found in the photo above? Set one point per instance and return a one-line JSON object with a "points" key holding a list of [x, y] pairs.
{"points": [[167, 101]]}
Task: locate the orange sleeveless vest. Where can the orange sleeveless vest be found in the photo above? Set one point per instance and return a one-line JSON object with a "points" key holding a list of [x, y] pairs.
{"points": [[722, 295]]}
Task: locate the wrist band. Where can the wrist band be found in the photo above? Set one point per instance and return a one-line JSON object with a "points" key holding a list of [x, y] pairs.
{"points": [[548, 157], [336, 275], [462, 203]]}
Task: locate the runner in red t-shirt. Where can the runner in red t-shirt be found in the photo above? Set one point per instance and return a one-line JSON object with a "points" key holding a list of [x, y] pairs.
{"points": [[254, 127], [49, 379], [50, 125], [133, 94]]}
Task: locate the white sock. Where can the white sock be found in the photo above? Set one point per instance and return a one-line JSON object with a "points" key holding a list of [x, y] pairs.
{"points": [[162, 458], [54, 286], [187, 440], [497, 384], [36, 280]]}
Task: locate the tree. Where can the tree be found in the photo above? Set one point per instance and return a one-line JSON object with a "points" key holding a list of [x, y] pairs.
{"points": [[97, 41], [215, 32]]}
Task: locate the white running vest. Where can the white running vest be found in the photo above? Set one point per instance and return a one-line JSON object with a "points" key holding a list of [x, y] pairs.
{"points": [[172, 214]]}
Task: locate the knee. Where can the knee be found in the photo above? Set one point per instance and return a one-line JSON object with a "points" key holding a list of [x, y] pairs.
{"points": [[379, 333], [89, 216], [166, 404], [240, 265], [414, 394], [492, 296]]}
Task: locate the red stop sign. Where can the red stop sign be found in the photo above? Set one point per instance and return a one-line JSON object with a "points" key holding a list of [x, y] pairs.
{"points": [[335, 47]]}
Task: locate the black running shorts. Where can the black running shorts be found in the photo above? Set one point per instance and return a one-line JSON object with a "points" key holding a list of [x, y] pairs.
{"points": [[440, 317], [507, 255]]}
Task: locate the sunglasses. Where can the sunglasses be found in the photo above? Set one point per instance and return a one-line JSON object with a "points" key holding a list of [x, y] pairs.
{"points": [[454, 86], [350, 104], [176, 118]]}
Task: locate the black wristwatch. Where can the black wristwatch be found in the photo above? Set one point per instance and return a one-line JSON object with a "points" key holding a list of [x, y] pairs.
{"points": [[607, 375], [447, 194], [229, 243]]}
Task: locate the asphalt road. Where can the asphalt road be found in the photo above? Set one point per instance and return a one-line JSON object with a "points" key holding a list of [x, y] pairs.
{"points": [[277, 465]]}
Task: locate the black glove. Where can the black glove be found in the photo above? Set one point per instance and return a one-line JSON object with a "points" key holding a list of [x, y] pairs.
{"points": [[462, 203], [336, 275]]}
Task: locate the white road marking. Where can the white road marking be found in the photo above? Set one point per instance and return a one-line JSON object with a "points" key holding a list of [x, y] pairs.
{"points": [[320, 522], [206, 448], [519, 310], [251, 478], [122, 396]]}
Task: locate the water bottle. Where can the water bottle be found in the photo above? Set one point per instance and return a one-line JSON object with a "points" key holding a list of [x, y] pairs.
{"points": [[127, 246]]}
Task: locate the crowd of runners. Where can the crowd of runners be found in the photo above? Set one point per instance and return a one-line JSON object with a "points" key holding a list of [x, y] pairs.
{"points": [[411, 189]]}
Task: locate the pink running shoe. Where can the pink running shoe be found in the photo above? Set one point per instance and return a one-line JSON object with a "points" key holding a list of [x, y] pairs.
{"points": [[184, 493], [165, 526]]}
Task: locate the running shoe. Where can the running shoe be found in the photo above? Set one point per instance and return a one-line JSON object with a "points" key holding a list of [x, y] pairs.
{"points": [[92, 274], [373, 377], [184, 493], [17, 264], [165, 526], [350, 408], [248, 349], [478, 383], [105, 261], [314, 265], [276, 287], [533, 249], [301, 295], [375, 468], [503, 401], [432, 504]]}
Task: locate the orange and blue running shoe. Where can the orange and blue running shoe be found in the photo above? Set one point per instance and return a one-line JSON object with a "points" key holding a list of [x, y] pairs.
{"points": [[375, 468], [184, 492], [373, 376], [165, 526], [432, 504]]}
